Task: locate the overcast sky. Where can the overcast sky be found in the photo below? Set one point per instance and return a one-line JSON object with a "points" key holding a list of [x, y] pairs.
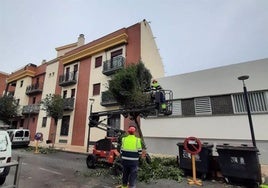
{"points": [[191, 34]]}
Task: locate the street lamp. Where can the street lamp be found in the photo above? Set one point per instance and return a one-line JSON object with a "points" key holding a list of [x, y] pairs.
{"points": [[243, 78], [90, 114]]}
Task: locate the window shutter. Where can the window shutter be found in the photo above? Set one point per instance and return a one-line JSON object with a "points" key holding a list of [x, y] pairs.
{"points": [[202, 106]]}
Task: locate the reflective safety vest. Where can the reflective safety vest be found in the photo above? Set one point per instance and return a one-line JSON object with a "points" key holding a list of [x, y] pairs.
{"points": [[131, 148], [156, 86]]}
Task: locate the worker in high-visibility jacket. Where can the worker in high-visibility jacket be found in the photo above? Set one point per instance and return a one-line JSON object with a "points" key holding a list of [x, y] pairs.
{"points": [[131, 150], [156, 87]]}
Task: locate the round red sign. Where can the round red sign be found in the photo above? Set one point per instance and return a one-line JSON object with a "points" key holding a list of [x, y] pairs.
{"points": [[192, 145]]}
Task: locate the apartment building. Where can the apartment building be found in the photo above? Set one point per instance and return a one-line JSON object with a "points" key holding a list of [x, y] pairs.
{"points": [[3, 78], [85, 74], [30, 84], [209, 104], [80, 74]]}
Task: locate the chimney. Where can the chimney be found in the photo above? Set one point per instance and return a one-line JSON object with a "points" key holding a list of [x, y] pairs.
{"points": [[43, 61], [81, 40]]}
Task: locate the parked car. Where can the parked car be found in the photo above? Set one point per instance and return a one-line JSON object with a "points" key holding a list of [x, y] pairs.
{"points": [[19, 137], [5, 155]]}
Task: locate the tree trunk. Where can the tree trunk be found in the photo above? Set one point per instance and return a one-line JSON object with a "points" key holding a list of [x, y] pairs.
{"points": [[139, 131], [54, 132]]}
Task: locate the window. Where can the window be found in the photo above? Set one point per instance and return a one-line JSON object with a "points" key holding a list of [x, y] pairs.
{"points": [[44, 122], [176, 107], [64, 131], [221, 104], [72, 93], [96, 89], [98, 61], [19, 134], [116, 53], [187, 106], [114, 123], [64, 94], [34, 100], [67, 74], [257, 102], [21, 83], [202, 106], [75, 71]]}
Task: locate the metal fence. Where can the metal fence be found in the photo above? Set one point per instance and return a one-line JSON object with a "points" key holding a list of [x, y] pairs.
{"points": [[17, 164]]}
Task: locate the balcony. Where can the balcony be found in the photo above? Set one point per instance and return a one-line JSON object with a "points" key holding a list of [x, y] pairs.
{"points": [[107, 99], [68, 104], [30, 109], [34, 89], [112, 65], [68, 79]]}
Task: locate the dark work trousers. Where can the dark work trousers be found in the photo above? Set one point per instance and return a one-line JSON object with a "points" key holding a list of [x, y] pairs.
{"points": [[130, 172]]}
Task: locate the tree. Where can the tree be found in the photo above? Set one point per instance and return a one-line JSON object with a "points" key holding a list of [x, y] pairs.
{"points": [[8, 108], [127, 87], [53, 105]]}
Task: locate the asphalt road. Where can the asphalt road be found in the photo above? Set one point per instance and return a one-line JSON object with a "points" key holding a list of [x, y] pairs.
{"points": [[69, 170]]}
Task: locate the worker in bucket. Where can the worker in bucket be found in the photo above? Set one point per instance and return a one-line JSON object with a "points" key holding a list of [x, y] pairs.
{"points": [[131, 150], [159, 96]]}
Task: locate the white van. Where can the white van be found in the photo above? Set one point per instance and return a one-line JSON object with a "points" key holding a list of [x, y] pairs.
{"points": [[5, 155], [19, 137]]}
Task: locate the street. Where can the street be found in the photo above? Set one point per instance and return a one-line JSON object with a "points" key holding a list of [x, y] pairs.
{"points": [[69, 170], [60, 169]]}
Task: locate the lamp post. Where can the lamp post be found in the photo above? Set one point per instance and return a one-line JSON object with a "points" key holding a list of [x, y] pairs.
{"points": [[243, 78], [90, 113]]}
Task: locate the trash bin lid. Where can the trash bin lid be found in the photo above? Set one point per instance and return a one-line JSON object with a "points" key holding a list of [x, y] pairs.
{"points": [[241, 148]]}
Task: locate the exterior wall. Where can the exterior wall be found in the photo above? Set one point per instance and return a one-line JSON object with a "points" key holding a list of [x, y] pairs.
{"points": [[81, 108], [3, 77], [218, 129], [50, 82], [149, 51], [217, 81], [209, 127], [20, 91]]}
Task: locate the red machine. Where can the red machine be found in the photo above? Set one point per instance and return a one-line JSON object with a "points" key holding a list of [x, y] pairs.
{"points": [[104, 150]]}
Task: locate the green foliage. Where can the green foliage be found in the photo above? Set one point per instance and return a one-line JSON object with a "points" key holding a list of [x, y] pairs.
{"points": [[128, 85], [8, 108], [53, 105], [160, 168]]}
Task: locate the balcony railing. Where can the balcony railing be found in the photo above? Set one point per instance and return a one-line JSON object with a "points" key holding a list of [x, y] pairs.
{"points": [[112, 65], [31, 109], [107, 99], [68, 79], [34, 89], [68, 104]]}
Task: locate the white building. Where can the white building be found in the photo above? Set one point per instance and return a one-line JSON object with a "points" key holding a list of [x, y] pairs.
{"points": [[209, 105]]}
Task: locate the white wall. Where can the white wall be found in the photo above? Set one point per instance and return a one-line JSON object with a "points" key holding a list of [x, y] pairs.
{"points": [[217, 81], [149, 51], [209, 127]]}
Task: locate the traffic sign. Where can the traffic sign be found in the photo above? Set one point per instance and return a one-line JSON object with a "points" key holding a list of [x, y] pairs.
{"points": [[192, 145]]}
